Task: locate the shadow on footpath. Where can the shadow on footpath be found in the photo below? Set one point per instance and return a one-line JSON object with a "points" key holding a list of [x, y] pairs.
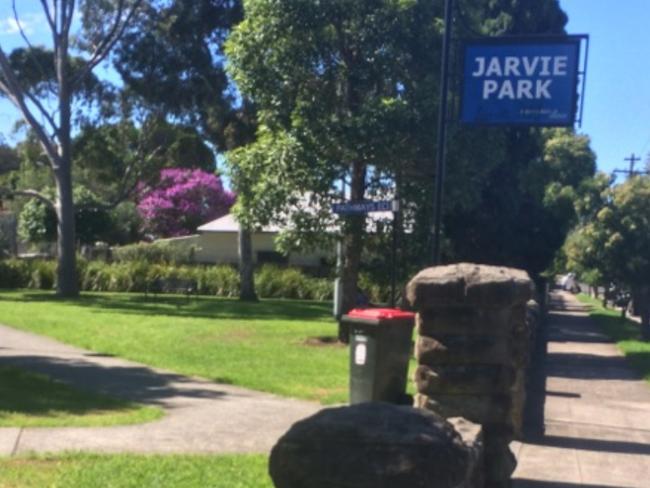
{"points": [[132, 383], [561, 325], [589, 366], [523, 483], [597, 445]]}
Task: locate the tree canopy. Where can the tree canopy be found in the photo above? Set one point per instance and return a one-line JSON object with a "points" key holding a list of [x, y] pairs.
{"points": [[613, 243], [181, 201], [346, 91]]}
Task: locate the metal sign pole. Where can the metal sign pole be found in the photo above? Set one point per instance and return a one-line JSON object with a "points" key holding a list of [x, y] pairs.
{"points": [[442, 129]]}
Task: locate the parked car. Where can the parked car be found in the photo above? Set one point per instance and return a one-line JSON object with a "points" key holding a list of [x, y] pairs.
{"points": [[568, 283]]}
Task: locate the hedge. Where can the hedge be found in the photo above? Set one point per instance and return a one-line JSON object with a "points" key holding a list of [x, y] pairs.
{"points": [[133, 276]]}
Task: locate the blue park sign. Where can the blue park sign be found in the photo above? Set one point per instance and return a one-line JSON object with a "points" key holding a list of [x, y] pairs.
{"points": [[520, 81]]}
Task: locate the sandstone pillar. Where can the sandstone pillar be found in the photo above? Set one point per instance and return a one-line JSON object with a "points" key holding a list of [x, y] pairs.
{"points": [[472, 348]]}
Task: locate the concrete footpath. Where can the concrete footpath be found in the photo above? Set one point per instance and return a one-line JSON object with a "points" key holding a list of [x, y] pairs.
{"points": [[200, 416], [596, 413]]}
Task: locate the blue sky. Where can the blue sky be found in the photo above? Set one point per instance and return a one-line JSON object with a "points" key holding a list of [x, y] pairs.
{"points": [[617, 99]]}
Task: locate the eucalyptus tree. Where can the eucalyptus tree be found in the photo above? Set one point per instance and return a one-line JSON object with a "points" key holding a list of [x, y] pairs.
{"points": [[47, 104]]}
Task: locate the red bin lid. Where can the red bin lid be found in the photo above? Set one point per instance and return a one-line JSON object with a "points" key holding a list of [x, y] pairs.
{"points": [[380, 313]]}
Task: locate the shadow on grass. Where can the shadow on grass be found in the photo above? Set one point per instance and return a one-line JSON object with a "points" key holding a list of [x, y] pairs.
{"points": [[133, 384], [179, 306], [28, 393]]}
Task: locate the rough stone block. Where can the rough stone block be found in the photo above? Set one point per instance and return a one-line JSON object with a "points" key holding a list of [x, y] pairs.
{"points": [[518, 395], [476, 379], [472, 435], [462, 349], [480, 409], [372, 445], [465, 320], [466, 284]]}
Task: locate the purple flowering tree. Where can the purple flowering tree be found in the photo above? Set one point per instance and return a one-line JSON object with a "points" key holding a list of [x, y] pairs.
{"points": [[183, 200]]}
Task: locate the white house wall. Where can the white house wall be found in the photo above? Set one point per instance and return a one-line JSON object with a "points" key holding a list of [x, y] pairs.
{"points": [[221, 248]]}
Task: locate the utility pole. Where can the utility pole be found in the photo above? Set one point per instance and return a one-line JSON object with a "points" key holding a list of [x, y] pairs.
{"points": [[441, 139], [633, 159]]}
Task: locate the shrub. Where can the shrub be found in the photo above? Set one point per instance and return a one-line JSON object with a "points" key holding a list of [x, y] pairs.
{"points": [[375, 292], [218, 280], [14, 273], [43, 275], [275, 282], [134, 276], [159, 252]]}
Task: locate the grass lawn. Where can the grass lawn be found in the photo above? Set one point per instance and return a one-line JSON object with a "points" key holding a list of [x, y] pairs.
{"points": [[267, 346], [626, 333], [34, 400], [131, 471]]}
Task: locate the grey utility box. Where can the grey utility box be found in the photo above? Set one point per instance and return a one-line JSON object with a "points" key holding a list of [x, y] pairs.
{"points": [[380, 350]]}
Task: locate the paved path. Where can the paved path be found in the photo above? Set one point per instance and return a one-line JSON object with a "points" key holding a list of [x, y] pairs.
{"points": [[200, 416], [597, 411]]}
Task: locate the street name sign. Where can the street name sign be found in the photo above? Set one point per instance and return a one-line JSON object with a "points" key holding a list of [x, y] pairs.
{"points": [[362, 207], [515, 81]]}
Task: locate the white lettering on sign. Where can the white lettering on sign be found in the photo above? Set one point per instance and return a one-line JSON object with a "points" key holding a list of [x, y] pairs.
{"points": [[360, 354], [519, 67]]}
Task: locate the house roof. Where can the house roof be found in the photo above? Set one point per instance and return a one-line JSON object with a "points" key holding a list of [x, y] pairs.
{"points": [[228, 223]]}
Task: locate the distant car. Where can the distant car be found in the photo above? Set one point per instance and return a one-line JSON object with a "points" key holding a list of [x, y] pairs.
{"points": [[568, 283]]}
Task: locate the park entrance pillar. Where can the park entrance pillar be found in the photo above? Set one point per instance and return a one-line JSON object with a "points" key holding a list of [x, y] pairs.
{"points": [[471, 351]]}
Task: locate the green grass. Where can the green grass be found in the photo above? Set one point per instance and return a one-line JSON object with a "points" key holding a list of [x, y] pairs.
{"points": [[262, 345], [135, 471], [626, 333], [34, 400]]}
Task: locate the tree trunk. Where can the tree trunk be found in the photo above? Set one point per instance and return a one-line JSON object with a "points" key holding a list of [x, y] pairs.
{"points": [[67, 284], [641, 297], [246, 277], [66, 273]]}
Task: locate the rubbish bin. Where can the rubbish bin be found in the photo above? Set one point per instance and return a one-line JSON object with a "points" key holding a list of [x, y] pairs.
{"points": [[380, 349]]}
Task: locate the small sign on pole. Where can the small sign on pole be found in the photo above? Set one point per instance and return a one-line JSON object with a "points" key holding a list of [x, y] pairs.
{"points": [[362, 207]]}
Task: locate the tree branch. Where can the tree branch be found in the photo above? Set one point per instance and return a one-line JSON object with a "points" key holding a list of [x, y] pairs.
{"points": [[66, 17], [31, 54], [31, 97], [14, 92], [29, 194], [24, 36], [114, 34], [48, 15], [43, 112]]}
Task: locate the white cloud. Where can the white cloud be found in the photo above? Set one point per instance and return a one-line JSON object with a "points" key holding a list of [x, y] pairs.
{"points": [[29, 23]]}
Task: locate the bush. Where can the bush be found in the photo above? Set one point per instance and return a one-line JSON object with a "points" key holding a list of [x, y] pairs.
{"points": [[14, 273], [275, 282], [375, 292], [134, 276], [218, 280], [159, 252], [42, 275]]}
